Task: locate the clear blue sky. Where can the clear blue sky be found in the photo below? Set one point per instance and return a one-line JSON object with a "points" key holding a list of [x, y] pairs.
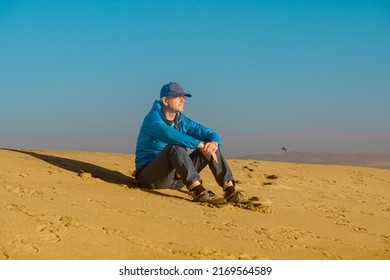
{"points": [[307, 75]]}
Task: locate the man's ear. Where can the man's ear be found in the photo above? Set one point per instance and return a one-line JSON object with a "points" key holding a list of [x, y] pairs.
{"points": [[164, 101]]}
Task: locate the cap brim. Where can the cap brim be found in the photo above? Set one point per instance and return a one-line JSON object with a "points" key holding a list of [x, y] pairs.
{"points": [[175, 93]]}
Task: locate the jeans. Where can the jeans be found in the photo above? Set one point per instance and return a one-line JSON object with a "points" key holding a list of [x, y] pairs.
{"points": [[174, 168]]}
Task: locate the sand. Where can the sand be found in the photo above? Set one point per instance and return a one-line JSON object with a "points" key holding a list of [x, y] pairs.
{"points": [[84, 205]]}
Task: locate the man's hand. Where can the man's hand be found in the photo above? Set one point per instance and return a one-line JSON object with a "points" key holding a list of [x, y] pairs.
{"points": [[209, 149]]}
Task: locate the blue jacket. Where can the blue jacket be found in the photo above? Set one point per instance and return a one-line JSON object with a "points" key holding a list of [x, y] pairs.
{"points": [[155, 134]]}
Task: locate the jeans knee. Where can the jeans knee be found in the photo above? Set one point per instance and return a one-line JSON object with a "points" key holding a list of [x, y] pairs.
{"points": [[176, 148]]}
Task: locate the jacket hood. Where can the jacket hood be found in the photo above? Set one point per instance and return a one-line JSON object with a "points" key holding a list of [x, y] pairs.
{"points": [[158, 107]]}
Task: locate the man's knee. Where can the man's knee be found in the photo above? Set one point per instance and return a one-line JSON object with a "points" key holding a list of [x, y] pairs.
{"points": [[176, 148]]}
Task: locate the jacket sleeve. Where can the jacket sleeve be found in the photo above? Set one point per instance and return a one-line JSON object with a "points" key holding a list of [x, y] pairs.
{"points": [[201, 132], [158, 129]]}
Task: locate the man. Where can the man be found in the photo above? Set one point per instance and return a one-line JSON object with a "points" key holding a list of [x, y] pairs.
{"points": [[162, 160]]}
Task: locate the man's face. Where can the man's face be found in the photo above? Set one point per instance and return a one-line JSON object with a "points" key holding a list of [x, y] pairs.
{"points": [[176, 103]]}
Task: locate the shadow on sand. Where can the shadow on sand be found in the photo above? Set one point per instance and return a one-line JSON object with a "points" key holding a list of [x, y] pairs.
{"points": [[78, 167]]}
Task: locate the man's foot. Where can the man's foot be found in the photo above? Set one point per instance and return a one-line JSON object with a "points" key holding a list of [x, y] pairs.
{"points": [[236, 197], [209, 197]]}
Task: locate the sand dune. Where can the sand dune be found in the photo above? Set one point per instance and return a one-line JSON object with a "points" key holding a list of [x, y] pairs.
{"points": [[85, 205], [360, 159]]}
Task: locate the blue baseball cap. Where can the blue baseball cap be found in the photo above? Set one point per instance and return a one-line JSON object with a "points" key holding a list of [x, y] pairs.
{"points": [[173, 89]]}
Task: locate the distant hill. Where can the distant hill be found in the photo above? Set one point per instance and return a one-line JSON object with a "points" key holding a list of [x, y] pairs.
{"points": [[360, 159]]}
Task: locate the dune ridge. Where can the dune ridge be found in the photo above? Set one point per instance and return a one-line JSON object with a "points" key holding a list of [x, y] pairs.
{"points": [[86, 205], [357, 159]]}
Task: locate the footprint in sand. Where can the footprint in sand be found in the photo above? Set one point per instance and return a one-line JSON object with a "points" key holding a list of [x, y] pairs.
{"points": [[223, 229], [20, 244], [385, 239], [283, 238], [67, 222], [22, 191], [335, 213], [48, 234], [367, 213], [359, 229], [338, 215], [24, 174], [183, 222], [348, 224], [209, 214], [52, 170], [3, 254]]}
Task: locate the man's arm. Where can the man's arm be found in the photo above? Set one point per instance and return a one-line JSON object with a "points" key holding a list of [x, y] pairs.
{"points": [[201, 132], [158, 129]]}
